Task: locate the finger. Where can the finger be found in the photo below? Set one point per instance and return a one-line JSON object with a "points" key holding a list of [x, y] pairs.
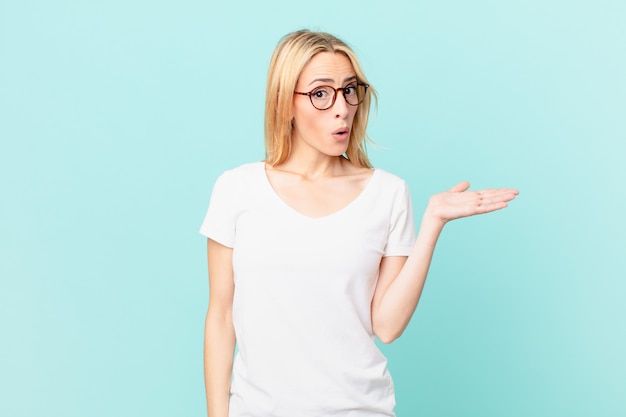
{"points": [[497, 199], [500, 190], [488, 208], [460, 187], [498, 195]]}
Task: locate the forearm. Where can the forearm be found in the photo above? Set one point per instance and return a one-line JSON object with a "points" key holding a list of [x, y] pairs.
{"points": [[219, 346], [399, 301], [396, 300]]}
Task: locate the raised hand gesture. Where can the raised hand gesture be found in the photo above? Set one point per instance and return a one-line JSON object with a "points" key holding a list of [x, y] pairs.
{"points": [[459, 202]]}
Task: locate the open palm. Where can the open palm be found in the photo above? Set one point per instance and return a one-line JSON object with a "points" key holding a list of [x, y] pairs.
{"points": [[459, 202]]}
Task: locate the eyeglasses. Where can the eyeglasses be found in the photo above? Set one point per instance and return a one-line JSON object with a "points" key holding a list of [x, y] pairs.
{"points": [[323, 97]]}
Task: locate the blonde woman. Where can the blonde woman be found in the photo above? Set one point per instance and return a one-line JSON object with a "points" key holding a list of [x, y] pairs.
{"points": [[312, 252]]}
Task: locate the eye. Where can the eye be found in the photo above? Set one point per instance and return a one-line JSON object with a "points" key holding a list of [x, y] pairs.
{"points": [[350, 90], [320, 93]]}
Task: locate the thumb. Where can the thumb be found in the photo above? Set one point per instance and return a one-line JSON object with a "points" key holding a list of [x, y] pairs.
{"points": [[460, 187]]}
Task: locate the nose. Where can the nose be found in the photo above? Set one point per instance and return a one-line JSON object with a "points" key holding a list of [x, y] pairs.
{"points": [[341, 107]]}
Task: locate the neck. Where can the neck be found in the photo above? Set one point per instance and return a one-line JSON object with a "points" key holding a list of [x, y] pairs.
{"points": [[311, 163], [314, 167]]}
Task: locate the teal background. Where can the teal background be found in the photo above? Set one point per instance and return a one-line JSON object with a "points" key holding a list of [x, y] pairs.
{"points": [[116, 117]]}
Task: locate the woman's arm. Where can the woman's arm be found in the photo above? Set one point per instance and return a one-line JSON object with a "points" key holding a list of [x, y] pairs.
{"points": [[401, 279], [219, 335]]}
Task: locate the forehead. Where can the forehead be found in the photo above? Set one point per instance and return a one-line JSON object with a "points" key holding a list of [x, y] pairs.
{"points": [[327, 66]]}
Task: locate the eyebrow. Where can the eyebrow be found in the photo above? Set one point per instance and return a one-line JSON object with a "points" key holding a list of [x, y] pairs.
{"points": [[330, 80]]}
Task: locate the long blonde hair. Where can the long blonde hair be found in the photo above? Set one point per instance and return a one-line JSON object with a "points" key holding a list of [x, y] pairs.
{"points": [[292, 54]]}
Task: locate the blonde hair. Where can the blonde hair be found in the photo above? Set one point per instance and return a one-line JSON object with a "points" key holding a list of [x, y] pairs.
{"points": [[292, 54]]}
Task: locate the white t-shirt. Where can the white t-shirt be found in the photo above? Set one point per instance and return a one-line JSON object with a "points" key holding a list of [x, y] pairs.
{"points": [[303, 292]]}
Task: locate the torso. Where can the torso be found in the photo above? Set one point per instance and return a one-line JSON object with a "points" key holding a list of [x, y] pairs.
{"points": [[304, 281]]}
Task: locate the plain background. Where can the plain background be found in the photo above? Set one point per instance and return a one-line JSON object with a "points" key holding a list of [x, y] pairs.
{"points": [[116, 117]]}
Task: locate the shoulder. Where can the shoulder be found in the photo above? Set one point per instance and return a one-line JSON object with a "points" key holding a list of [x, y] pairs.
{"points": [[389, 180], [392, 188], [242, 174], [245, 170], [236, 183]]}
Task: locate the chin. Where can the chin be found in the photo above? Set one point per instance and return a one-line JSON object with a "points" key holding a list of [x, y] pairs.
{"points": [[339, 152]]}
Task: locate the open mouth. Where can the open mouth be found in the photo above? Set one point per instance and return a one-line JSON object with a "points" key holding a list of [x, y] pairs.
{"points": [[341, 133]]}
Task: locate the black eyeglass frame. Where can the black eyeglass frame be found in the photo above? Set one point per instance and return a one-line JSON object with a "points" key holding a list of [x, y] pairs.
{"points": [[335, 90]]}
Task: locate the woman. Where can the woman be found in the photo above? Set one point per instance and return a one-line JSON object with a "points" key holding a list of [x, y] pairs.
{"points": [[312, 252]]}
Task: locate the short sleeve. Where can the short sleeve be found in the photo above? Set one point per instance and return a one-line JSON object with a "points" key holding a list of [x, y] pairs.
{"points": [[220, 220], [401, 236]]}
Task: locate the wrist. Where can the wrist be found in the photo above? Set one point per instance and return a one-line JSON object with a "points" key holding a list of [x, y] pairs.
{"points": [[431, 224], [432, 219]]}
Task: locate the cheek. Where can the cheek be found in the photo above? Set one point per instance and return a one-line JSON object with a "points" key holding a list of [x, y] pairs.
{"points": [[352, 114], [305, 118]]}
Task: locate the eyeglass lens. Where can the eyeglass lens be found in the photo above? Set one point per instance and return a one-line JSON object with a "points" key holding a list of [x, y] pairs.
{"points": [[323, 97]]}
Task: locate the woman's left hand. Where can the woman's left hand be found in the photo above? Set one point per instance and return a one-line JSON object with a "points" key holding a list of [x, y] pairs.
{"points": [[458, 202]]}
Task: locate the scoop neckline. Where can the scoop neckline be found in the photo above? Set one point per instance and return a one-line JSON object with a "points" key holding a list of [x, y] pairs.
{"points": [[336, 213]]}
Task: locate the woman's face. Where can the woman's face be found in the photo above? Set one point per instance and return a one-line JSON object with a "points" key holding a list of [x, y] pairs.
{"points": [[326, 131]]}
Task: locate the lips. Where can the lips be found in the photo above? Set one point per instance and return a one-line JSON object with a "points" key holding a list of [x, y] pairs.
{"points": [[341, 134]]}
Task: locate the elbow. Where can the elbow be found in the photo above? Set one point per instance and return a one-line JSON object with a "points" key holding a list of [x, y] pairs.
{"points": [[387, 336], [387, 340], [388, 327]]}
